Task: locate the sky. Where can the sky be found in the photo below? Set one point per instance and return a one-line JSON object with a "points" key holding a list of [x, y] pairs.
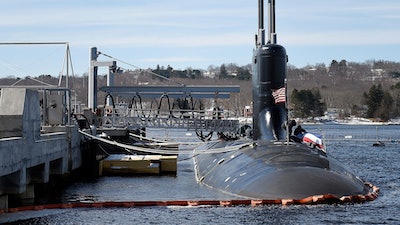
{"points": [[190, 33]]}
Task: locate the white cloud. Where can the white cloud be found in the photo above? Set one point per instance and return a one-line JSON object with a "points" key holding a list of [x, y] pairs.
{"points": [[178, 41], [174, 59], [154, 30], [113, 14], [343, 37]]}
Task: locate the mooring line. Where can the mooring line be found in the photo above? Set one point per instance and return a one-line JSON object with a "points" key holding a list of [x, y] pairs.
{"points": [[132, 149]]}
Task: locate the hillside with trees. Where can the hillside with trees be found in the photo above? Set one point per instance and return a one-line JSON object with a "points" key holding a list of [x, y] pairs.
{"points": [[370, 89]]}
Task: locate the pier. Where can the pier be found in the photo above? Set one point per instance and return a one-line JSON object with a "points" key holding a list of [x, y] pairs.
{"points": [[35, 144], [42, 136]]}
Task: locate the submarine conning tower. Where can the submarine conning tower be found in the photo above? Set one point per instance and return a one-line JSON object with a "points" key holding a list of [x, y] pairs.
{"points": [[268, 169], [269, 81]]}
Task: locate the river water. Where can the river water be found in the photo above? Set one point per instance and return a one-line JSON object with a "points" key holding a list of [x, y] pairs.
{"points": [[350, 144]]}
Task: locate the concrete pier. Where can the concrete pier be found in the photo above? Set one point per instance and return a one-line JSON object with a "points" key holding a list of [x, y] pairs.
{"points": [[31, 152]]}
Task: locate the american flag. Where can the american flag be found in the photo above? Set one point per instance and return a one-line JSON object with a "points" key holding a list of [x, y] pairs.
{"points": [[279, 95]]}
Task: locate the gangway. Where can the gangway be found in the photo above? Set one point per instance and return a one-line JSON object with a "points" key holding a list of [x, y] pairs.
{"points": [[199, 120], [115, 120], [113, 116]]}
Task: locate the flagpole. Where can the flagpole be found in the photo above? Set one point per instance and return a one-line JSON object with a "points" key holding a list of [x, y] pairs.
{"points": [[287, 114]]}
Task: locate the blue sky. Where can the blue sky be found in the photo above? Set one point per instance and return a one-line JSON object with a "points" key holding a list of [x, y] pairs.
{"points": [[192, 33]]}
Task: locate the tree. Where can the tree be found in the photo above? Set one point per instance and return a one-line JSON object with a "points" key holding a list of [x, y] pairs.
{"points": [[384, 112], [379, 102], [338, 68], [243, 74], [373, 99], [223, 73], [169, 71], [307, 103]]}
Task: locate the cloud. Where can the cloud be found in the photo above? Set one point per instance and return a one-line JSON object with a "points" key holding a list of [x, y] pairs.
{"points": [[207, 32], [192, 41], [343, 37], [174, 59], [79, 14], [176, 24]]}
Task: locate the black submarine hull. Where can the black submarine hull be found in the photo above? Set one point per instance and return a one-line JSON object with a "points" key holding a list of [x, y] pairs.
{"points": [[275, 170], [271, 166]]}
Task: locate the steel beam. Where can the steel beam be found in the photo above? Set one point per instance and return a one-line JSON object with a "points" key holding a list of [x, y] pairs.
{"points": [[187, 89], [175, 95]]}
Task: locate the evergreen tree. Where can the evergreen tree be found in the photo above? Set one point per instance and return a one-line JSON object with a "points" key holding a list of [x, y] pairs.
{"points": [[379, 102], [373, 99], [307, 103], [223, 73], [386, 107], [243, 74]]}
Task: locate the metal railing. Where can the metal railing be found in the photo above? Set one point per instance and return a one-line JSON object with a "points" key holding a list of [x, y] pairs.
{"points": [[198, 120]]}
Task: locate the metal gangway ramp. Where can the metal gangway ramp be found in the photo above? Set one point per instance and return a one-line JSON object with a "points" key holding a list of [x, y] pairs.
{"points": [[132, 116]]}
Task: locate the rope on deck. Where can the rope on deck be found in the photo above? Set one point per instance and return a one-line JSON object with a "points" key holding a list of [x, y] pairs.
{"points": [[161, 142], [133, 149]]}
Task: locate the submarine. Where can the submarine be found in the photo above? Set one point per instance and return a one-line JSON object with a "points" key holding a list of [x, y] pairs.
{"points": [[269, 165]]}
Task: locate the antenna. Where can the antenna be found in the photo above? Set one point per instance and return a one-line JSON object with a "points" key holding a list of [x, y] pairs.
{"points": [[271, 20], [260, 38]]}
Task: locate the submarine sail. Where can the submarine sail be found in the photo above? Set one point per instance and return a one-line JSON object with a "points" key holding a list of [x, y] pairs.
{"points": [[270, 166]]}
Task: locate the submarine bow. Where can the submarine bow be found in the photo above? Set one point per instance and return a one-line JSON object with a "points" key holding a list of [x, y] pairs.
{"points": [[270, 166]]}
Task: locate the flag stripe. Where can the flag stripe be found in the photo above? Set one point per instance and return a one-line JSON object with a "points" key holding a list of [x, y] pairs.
{"points": [[279, 95]]}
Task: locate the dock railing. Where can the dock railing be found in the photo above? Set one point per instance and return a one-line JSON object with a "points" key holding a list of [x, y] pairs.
{"points": [[199, 120]]}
